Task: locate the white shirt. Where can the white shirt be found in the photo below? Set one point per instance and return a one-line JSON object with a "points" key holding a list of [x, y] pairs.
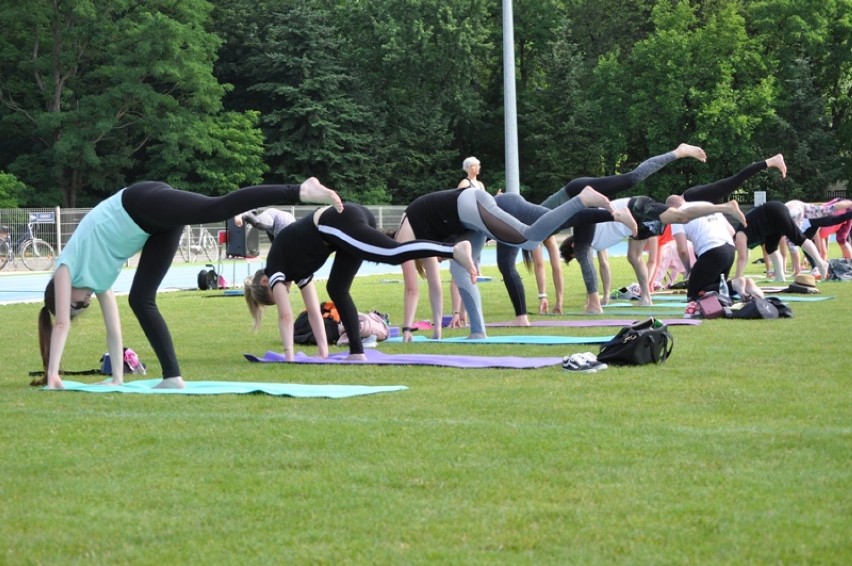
{"points": [[705, 232], [608, 234]]}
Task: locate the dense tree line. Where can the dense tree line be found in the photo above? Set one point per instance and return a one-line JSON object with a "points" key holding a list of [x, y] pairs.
{"points": [[382, 99]]}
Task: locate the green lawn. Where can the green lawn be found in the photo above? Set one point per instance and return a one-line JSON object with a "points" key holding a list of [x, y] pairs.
{"points": [[736, 451]]}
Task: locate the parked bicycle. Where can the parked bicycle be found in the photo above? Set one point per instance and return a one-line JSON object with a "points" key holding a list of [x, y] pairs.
{"points": [[34, 253], [197, 241]]}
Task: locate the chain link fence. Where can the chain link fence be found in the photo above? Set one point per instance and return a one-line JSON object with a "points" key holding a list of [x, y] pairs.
{"points": [[200, 242]]}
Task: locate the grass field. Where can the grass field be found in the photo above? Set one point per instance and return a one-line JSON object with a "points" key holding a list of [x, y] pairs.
{"points": [[736, 451]]}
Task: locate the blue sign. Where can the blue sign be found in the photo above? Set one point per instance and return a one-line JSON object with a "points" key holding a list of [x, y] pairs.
{"points": [[42, 217]]}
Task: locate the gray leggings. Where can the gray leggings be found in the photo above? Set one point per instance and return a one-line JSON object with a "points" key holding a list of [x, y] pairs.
{"points": [[478, 211]]}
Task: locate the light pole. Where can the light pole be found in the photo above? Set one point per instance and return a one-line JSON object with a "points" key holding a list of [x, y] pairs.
{"points": [[510, 110]]}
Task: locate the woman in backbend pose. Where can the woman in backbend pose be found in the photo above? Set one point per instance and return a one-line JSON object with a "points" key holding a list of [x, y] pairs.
{"points": [[149, 216], [474, 215], [304, 246]]}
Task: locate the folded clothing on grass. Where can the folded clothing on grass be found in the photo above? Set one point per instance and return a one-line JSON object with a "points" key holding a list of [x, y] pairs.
{"points": [[374, 357], [236, 387]]}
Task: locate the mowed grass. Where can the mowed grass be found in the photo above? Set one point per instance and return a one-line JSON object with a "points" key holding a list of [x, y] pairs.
{"points": [[738, 450]]}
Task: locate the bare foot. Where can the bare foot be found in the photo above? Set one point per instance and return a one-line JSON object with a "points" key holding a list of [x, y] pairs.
{"points": [[645, 303], [171, 383], [311, 190], [592, 311], [823, 269], [462, 253], [356, 358], [477, 336], [739, 286], [734, 209], [752, 289], [593, 199], [55, 383], [693, 151], [522, 320], [777, 161], [626, 217]]}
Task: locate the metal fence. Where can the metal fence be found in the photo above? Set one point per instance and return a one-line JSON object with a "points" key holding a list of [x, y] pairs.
{"points": [[56, 225]]}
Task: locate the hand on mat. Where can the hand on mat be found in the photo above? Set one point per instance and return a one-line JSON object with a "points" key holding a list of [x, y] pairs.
{"points": [[458, 321], [542, 305], [557, 309]]}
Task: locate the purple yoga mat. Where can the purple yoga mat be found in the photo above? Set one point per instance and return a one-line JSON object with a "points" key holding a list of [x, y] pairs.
{"points": [[591, 323], [374, 357]]}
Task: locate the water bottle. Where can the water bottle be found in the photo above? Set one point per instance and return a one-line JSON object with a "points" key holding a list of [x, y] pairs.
{"points": [[723, 288]]}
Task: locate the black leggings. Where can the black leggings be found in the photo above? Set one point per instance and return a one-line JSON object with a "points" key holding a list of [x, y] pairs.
{"points": [[162, 212], [720, 190], [817, 223], [708, 268], [354, 237]]}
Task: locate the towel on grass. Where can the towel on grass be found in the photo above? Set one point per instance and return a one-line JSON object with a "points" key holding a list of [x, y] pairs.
{"points": [[592, 323], [232, 387], [521, 339], [374, 357]]}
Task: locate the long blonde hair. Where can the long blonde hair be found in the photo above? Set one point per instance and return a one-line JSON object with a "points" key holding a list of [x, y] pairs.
{"points": [[257, 297], [45, 330]]}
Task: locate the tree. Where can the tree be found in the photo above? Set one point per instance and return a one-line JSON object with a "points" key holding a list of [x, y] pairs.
{"points": [[10, 188], [88, 85]]}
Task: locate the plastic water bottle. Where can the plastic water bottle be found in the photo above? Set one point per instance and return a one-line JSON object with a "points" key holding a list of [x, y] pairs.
{"points": [[723, 288]]}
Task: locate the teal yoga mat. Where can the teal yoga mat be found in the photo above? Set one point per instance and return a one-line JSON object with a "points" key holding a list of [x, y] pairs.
{"points": [[526, 340], [146, 386], [785, 298]]}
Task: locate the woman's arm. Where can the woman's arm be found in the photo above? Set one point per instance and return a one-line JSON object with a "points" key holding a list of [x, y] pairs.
{"points": [[606, 276], [556, 273], [61, 326], [312, 305], [281, 294], [741, 242], [115, 343]]}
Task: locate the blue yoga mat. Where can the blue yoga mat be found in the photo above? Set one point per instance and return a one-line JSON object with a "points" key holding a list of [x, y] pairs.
{"points": [[146, 386], [375, 357], [529, 340]]}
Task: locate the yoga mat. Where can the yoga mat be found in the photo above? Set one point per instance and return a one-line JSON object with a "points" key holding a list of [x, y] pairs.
{"points": [[658, 311], [146, 386], [592, 323], [374, 357], [528, 340], [792, 298]]}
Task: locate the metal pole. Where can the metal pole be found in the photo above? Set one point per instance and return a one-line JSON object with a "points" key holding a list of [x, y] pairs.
{"points": [[510, 110]]}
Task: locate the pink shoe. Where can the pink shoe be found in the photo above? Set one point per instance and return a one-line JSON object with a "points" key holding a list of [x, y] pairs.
{"points": [[692, 310]]}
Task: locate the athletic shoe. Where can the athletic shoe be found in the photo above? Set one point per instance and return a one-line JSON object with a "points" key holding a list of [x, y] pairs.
{"points": [[592, 360], [692, 310], [577, 363], [370, 341]]}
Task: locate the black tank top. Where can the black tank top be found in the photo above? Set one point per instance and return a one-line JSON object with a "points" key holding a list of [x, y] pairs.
{"points": [[435, 216]]}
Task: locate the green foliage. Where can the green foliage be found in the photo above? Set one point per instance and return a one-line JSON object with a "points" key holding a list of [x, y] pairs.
{"points": [[10, 190], [382, 99]]}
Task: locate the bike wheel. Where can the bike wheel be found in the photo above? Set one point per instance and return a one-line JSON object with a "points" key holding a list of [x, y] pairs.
{"points": [[38, 255], [209, 245], [5, 253], [186, 249]]}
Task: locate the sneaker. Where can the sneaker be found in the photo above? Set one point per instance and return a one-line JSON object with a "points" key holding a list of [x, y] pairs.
{"points": [[577, 363], [592, 360], [692, 310], [370, 341]]}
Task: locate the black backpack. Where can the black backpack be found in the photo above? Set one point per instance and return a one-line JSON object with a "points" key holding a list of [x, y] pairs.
{"points": [[302, 333], [756, 308]]}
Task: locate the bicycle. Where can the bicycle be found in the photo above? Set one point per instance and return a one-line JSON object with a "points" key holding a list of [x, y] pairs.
{"points": [[190, 248], [35, 253]]}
